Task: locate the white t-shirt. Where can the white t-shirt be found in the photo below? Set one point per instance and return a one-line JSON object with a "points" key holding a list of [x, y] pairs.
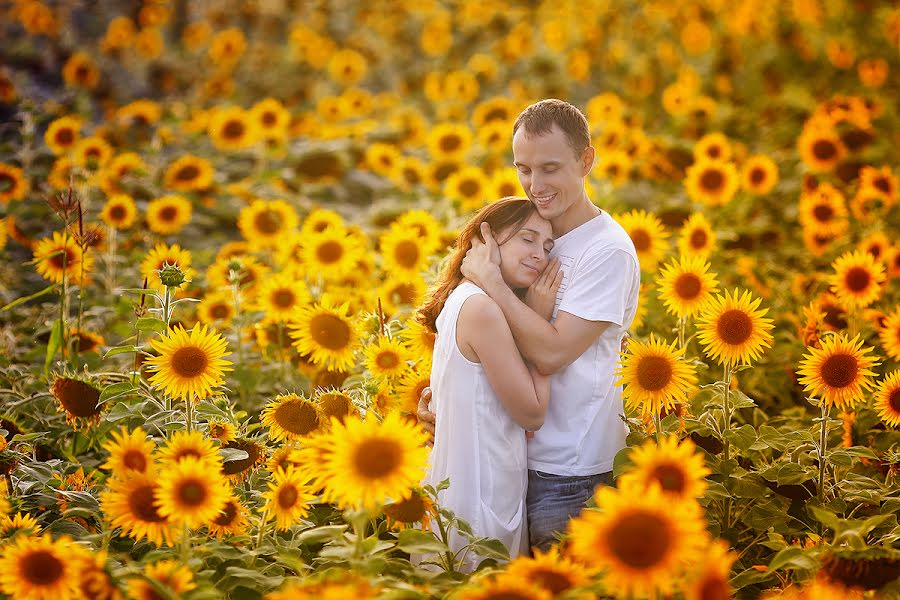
{"points": [[583, 429]]}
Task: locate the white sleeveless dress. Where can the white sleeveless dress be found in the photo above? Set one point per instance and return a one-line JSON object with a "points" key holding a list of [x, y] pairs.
{"points": [[476, 443]]}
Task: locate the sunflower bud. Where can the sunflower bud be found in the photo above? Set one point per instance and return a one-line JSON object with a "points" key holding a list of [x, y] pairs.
{"points": [[171, 275]]}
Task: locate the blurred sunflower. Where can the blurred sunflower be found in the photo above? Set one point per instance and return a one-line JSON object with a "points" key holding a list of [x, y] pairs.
{"points": [[78, 398], [396, 293], [887, 399], [655, 376], [62, 134], [648, 235], [449, 142], [320, 219], [333, 403], [85, 340], [614, 165], [331, 253], [502, 586], [189, 173], [119, 212], [13, 525], [889, 335], [712, 183], [130, 504], [224, 431], [883, 180], [347, 66], [676, 467], [402, 253], [288, 498], [232, 129], [13, 184], [327, 333], [869, 205], [129, 453], [92, 153], [418, 338], [238, 470], [382, 158], [265, 223], [119, 170], [216, 308], [759, 175], [839, 371], [271, 117], [162, 255], [94, 579], [290, 417], [167, 215], [227, 46], [696, 237], [189, 364], [245, 271], [386, 359], [732, 330], [857, 279], [713, 146], [60, 255], [64, 173], [409, 173], [876, 244], [639, 538], [426, 226], [503, 184], [232, 520], [191, 493], [176, 579], [824, 210], [281, 296], [142, 113], [371, 462], [685, 285], [80, 71], [711, 577], [40, 568], [189, 444], [413, 512], [821, 148], [468, 186], [549, 571]]}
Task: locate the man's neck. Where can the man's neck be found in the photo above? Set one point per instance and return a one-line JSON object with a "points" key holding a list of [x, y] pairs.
{"points": [[578, 214]]}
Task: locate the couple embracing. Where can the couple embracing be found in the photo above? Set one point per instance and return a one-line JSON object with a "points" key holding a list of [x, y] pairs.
{"points": [[530, 312]]}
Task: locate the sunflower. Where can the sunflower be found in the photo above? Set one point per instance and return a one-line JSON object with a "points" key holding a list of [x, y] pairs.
{"points": [[216, 308], [288, 498], [413, 511], [129, 453], [344, 585], [821, 148], [396, 293], [63, 173], [125, 166], [409, 173], [732, 330], [232, 520], [162, 255], [386, 359], [326, 332], [759, 175], [62, 134], [892, 260], [372, 462], [334, 404], [130, 504], [92, 153], [710, 579], [549, 571], [614, 165], [80, 71], [648, 235], [60, 256], [245, 271], [696, 237], [402, 252], [857, 279], [639, 538], [331, 253], [182, 445], [40, 568], [224, 431], [320, 219], [382, 158], [889, 335], [189, 364], [887, 399], [713, 146], [502, 586], [711, 182], [676, 467], [189, 173], [167, 215], [655, 376], [190, 492], [881, 180], [271, 117], [119, 212], [876, 244], [494, 138], [13, 184], [467, 186], [449, 142], [426, 226], [419, 339], [19, 523], [238, 470], [232, 129], [176, 579], [290, 417], [265, 223], [94, 580], [685, 285], [817, 243], [839, 371], [281, 296], [79, 399], [824, 210]]}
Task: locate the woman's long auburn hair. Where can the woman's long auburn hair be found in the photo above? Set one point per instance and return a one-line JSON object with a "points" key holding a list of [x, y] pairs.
{"points": [[510, 212]]}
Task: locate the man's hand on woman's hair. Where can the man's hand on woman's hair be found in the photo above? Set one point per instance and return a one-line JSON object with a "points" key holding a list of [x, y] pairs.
{"points": [[482, 261]]}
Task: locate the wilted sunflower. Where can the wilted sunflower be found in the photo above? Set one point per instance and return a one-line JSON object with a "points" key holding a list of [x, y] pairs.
{"points": [[119, 212], [40, 568], [189, 364], [732, 330], [887, 399], [130, 504], [167, 215], [189, 444], [60, 254], [331, 253], [79, 398], [62, 134], [386, 359], [371, 462], [759, 175], [711, 182], [171, 575], [889, 335], [655, 376], [231, 520], [648, 235], [676, 467], [639, 538], [685, 285], [281, 296], [290, 417], [327, 333], [190, 492], [189, 173], [857, 280], [265, 223], [710, 578], [839, 372], [549, 571], [288, 498], [232, 129], [696, 237]]}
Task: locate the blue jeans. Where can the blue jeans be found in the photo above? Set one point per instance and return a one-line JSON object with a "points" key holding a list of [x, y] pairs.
{"points": [[553, 499]]}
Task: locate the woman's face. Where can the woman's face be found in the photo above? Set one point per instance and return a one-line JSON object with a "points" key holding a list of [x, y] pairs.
{"points": [[524, 254]]}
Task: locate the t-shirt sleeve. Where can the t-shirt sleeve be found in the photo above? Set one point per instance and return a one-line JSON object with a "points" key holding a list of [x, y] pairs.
{"points": [[600, 285]]}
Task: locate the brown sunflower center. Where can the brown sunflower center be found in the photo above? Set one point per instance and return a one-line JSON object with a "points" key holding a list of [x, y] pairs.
{"points": [[641, 239], [135, 460], [893, 401], [698, 239], [654, 373], [670, 477], [329, 252], [882, 184], [7, 182], [77, 397], [117, 212], [41, 568], [233, 130], [712, 180], [403, 293], [407, 253], [450, 142], [823, 212], [64, 136], [267, 222], [469, 188], [335, 405], [688, 286], [233, 467], [269, 119], [377, 457], [228, 515], [714, 587], [192, 492], [858, 279], [824, 150], [298, 418], [284, 298], [168, 213], [288, 496], [187, 173], [141, 504], [387, 360], [220, 311], [553, 581], [330, 331], [64, 258], [410, 510], [640, 539], [189, 362], [757, 175], [839, 370], [734, 327]]}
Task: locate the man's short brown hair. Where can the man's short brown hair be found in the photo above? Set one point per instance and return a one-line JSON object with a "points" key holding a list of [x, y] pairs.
{"points": [[539, 118]]}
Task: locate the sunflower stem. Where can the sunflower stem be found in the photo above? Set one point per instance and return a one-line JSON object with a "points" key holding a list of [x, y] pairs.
{"points": [[64, 293], [682, 322], [282, 355], [823, 441], [448, 555], [111, 259], [167, 306], [726, 409], [657, 422], [263, 521], [185, 543]]}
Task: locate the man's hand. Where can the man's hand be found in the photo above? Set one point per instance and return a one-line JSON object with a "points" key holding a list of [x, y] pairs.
{"points": [[482, 262], [426, 417], [541, 296]]}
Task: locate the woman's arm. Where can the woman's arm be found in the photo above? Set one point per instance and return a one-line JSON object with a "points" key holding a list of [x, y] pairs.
{"points": [[484, 336]]}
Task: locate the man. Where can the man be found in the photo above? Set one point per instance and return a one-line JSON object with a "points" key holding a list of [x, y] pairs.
{"points": [[573, 452]]}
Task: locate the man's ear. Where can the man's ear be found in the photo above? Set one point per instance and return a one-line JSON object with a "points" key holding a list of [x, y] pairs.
{"points": [[587, 160]]}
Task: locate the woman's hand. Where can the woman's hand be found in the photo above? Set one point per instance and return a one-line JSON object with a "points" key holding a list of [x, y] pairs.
{"points": [[541, 296], [426, 417]]}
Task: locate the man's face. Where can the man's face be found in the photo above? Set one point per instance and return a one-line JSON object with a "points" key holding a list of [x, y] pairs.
{"points": [[550, 171]]}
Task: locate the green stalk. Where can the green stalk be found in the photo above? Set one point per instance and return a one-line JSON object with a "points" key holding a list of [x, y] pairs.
{"points": [[262, 528], [726, 408], [448, 555], [189, 414], [185, 543], [823, 442]]}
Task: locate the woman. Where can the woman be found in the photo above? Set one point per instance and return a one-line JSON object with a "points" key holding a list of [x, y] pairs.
{"points": [[484, 395]]}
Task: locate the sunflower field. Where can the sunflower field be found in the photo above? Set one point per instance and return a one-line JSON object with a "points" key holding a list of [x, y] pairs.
{"points": [[218, 218]]}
